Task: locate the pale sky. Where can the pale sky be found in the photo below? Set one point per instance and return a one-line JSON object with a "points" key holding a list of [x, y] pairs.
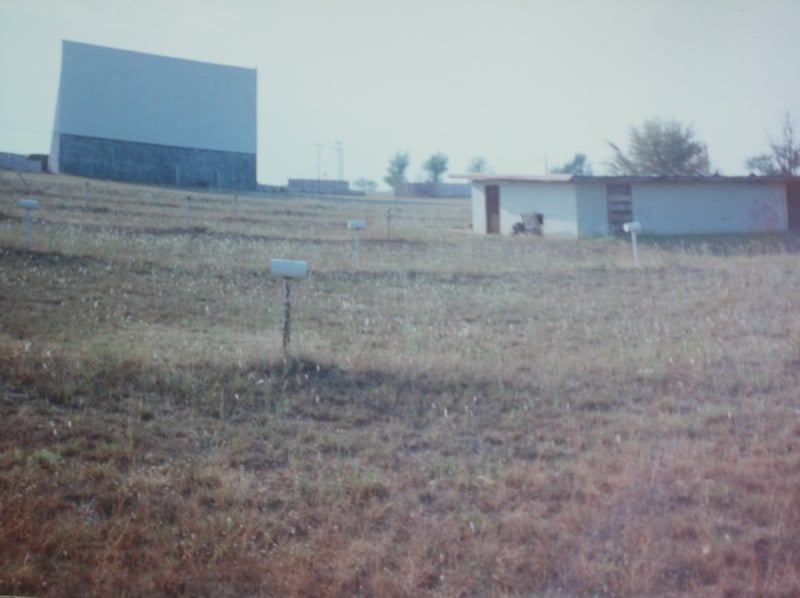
{"points": [[518, 82]]}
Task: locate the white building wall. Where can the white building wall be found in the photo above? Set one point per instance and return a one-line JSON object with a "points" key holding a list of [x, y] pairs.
{"points": [[592, 209], [478, 208], [696, 208], [555, 200]]}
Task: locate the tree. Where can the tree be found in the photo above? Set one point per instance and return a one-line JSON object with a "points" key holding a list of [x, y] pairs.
{"points": [[763, 164], [366, 185], [787, 154], [785, 157], [661, 147], [396, 172], [478, 165], [435, 166], [579, 166]]}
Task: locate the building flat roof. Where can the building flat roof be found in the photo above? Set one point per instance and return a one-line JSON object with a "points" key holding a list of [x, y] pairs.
{"points": [[514, 178], [568, 178]]}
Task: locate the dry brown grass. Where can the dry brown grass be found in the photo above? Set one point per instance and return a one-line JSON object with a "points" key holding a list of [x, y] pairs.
{"points": [[466, 416]]}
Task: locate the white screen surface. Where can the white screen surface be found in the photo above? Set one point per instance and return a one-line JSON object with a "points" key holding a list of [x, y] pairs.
{"points": [[132, 96]]}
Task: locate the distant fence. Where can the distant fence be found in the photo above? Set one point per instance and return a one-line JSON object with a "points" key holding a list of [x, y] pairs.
{"points": [[22, 163], [326, 186], [433, 190], [272, 188]]}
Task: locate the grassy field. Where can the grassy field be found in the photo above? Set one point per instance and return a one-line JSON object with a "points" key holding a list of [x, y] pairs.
{"points": [[465, 416]]}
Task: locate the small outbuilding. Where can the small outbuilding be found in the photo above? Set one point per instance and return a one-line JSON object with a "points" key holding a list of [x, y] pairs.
{"points": [[592, 206]]}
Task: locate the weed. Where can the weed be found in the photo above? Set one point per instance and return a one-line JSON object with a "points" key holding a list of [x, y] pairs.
{"points": [[46, 459], [437, 431]]}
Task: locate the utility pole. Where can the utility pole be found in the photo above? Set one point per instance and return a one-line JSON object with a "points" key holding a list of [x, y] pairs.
{"points": [[319, 158], [340, 154]]}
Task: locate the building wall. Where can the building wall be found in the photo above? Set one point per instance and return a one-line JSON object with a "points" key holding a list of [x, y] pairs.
{"points": [[148, 163], [556, 201], [478, 208], [710, 207], [592, 209], [662, 207]]}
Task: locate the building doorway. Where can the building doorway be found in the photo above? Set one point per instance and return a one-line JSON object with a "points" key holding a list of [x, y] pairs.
{"points": [[492, 194], [793, 204], [620, 207]]}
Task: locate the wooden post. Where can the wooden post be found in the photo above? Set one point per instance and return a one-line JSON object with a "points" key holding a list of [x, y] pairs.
{"points": [[633, 228], [635, 249], [188, 211], [27, 230], [28, 205], [358, 252], [287, 269], [357, 225], [389, 223], [287, 314]]}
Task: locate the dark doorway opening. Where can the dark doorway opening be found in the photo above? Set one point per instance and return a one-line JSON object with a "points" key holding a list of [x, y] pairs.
{"points": [[793, 204], [492, 195], [620, 207]]}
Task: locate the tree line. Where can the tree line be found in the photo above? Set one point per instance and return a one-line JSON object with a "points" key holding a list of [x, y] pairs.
{"points": [[656, 147], [661, 147], [435, 166]]}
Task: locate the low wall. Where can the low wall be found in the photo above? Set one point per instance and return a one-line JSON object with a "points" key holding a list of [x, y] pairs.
{"points": [[326, 186], [158, 164], [20, 163], [433, 190]]}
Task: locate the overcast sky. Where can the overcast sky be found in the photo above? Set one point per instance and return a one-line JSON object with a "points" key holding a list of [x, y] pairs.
{"points": [[518, 82]]}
